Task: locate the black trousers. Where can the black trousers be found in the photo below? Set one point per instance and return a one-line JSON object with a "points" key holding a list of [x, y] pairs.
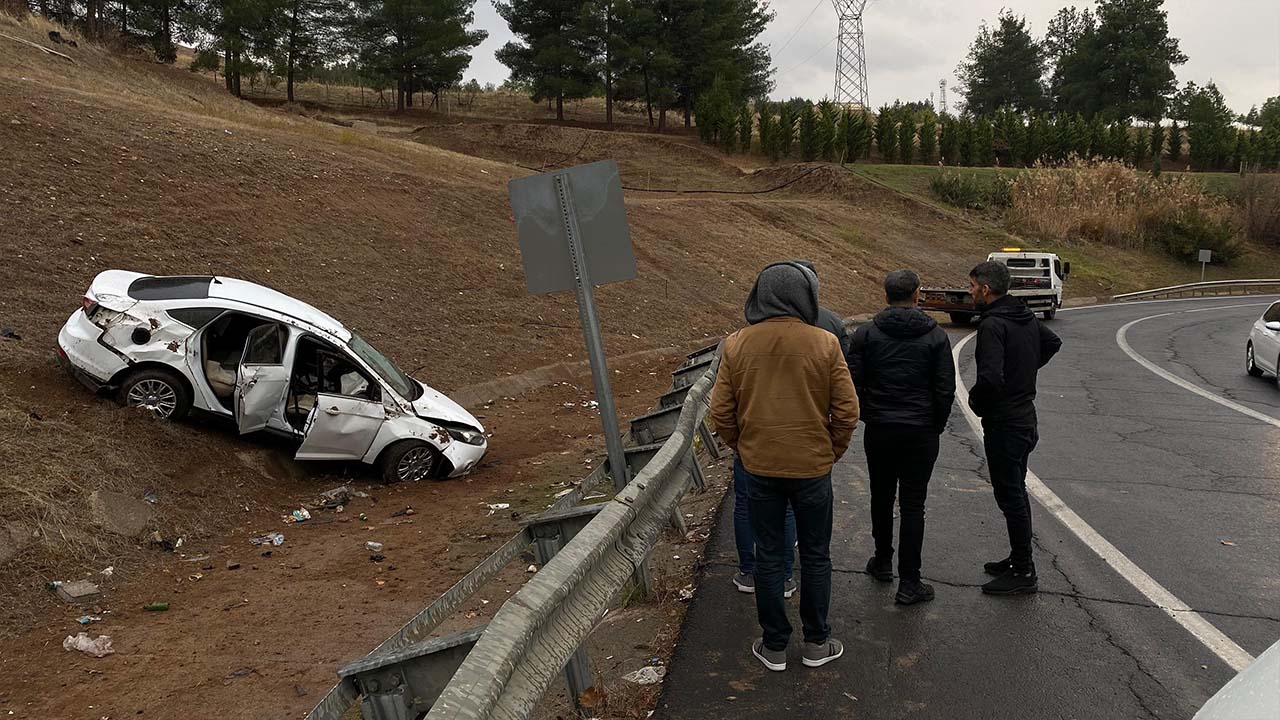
{"points": [[1008, 450], [900, 460], [811, 501]]}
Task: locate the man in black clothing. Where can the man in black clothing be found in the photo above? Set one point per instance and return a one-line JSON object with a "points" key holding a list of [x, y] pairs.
{"points": [[1012, 347], [828, 319], [905, 379]]}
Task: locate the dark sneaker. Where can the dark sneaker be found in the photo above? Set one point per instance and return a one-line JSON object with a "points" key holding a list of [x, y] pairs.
{"points": [[911, 592], [775, 660], [879, 569], [1013, 583], [789, 588], [998, 567], [821, 654], [744, 582]]}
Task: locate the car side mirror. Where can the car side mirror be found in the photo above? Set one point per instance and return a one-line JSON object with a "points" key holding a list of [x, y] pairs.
{"points": [[1273, 326], [1066, 269]]}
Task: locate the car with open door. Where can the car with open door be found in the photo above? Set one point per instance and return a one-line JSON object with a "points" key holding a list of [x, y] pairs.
{"points": [[269, 363], [1262, 352]]}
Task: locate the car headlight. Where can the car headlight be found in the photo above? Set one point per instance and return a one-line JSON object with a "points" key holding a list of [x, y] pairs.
{"points": [[467, 435]]}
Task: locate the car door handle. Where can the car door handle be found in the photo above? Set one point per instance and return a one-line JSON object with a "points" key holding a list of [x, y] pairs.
{"points": [[333, 411]]}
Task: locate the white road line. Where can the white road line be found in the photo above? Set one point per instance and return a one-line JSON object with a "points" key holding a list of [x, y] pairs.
{"points": [[1123, 341], [1211, 637]]}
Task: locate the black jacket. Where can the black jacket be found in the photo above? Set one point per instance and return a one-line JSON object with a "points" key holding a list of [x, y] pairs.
{"points": [[1012, 347], [902, 369], [831, 322]]}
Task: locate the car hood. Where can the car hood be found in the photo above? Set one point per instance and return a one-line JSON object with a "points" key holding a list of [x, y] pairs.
{"points": [[436, 406]]}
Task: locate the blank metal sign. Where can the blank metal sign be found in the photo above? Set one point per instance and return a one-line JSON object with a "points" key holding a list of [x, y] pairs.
{"points": [[596, 197]]}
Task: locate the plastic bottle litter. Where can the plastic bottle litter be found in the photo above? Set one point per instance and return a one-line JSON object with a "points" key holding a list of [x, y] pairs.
{"points": [[273, 538], [372, 546], [156, 606], [495, 507], [301, 515], [97, 647], [86, 619]]}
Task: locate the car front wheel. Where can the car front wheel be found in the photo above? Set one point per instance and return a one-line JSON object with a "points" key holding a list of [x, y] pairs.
{"points": [[160, 392], [409, 461]]}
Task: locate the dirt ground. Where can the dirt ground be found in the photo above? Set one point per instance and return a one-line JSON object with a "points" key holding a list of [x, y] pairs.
{"points": [[112, 162]]}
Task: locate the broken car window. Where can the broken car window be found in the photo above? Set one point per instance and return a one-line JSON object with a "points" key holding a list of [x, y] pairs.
{"points": [[392, 375], [266, 346]]}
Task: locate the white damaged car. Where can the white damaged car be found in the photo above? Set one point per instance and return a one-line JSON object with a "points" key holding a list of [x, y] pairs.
{"points": [[269, 362]]}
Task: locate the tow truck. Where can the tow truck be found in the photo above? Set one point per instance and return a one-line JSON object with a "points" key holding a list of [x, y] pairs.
{"points": [[1036, 277]]}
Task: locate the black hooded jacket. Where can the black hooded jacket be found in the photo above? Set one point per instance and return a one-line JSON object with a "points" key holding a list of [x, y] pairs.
{"points": [[1012, 347], [902, 369]]}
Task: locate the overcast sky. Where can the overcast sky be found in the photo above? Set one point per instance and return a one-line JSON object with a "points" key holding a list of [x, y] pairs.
{"points": [[912, 44]]}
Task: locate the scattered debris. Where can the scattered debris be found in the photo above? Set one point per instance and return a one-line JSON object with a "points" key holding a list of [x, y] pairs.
{"points": [[195, 576], [97, 647], [364, 518], [299, 691], [495, 507], [156, 606], [273, 538], [242, 672], [300, 515], [77, 591], [686, 593], [648, 675], [403, 513], [377, 558], [851, 697], [86, 619], [1228, 543], [532, 569], [233, 565], [372, 546], [150, 496], [160, 541], [10, 334], [108, 571]]}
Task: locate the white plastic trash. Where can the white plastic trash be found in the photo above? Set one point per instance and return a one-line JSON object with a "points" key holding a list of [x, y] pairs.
{"points": [[99, 647], [648, 675]]}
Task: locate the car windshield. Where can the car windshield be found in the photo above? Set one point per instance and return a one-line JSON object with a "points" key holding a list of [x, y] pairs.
{"points": [[386, 369]]}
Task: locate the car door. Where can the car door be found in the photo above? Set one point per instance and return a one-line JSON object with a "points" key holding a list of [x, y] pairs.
{"points": [[1266, 345], [262, 378], [346, 417]]}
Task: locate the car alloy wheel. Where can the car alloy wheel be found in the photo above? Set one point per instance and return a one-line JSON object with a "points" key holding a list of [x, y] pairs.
{"points": [[416, 464], [155, 395], [1250, 363]]}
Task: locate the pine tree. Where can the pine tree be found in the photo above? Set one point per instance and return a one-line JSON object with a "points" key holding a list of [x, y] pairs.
{"points": [[547, 55], [928, 137], [786, 129], [886, 135], [1003, 68], [765, 126], [809, 149], [828, 122], [1097, 138], [965, 147], [744, 129], [1175, 142], [984, 152], [1035, 149], [906, 136], [948, 140], [1155, 145], [1118, 142]]}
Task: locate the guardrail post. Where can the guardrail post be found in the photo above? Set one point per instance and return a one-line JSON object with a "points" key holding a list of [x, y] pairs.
{"points": [[402, 684], [551, 532]]}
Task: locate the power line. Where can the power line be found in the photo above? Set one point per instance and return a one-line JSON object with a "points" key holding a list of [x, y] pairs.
{"points": [[811, 56], [800, 26]]}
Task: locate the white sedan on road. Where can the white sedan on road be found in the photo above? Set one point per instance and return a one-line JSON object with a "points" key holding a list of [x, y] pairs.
{"points": [[269, 362], [1262, 355]]}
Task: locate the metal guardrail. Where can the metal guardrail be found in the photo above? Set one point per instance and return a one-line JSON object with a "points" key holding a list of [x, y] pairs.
{"points": [[410, 673], [534, 634], [1212, 288]]}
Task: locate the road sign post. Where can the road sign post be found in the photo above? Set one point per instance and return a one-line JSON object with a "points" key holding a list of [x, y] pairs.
{"points": [[1206, 257], [573, 233]]}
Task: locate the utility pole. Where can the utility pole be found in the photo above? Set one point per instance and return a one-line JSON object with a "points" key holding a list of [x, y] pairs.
{"points": [[851, 57]]}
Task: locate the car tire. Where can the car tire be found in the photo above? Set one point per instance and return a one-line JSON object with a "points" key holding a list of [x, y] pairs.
{"points": [[410, 461], [1051, 313], [1250, 365], [960, 318], [163, 392]]}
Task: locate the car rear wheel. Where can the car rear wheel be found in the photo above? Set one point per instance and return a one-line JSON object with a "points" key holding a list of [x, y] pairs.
{"points": [[1250, 364], [163, 393], [410, 461]]}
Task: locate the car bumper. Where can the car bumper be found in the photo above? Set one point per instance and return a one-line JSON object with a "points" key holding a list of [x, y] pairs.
{"points": [[464, 457], [88, 360]]}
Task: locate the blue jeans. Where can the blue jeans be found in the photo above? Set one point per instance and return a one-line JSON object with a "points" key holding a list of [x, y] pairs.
{"points": [[745, 537], [811, 501]]}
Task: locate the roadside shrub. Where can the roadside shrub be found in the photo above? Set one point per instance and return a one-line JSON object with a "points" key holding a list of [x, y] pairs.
{"points": [[1260, 207], [1109, 202], [968, 191]]}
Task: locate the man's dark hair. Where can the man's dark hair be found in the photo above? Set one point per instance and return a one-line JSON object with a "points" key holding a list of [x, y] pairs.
{"points": [[900, 285], [992, 274]]}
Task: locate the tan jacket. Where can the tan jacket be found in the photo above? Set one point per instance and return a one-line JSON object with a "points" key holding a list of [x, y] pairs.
{"points": [[783, 399]]}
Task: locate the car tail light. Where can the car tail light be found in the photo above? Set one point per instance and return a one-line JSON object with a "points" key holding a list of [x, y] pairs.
{"points": [[89, 305]]}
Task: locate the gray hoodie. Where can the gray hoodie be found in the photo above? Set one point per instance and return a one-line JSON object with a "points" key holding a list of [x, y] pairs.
{"points": [[784, 289]]}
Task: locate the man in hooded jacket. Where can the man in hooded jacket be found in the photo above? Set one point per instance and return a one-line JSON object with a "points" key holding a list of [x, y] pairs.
{"points": [[1012, 347], [901, 365], [784, 401]]}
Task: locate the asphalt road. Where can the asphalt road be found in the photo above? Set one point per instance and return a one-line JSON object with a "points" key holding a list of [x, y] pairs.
{"points": [[1166, 476]]}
